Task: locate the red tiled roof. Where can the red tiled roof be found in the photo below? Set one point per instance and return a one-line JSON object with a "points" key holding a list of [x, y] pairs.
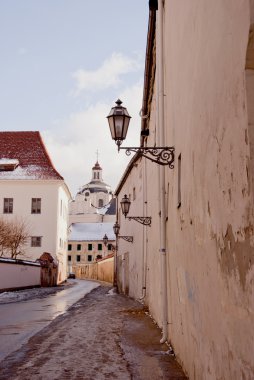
{"points": [[29, 149]]}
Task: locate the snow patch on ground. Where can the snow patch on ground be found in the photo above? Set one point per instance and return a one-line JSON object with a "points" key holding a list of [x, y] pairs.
{"points": [[28, 294], [111, 292]]}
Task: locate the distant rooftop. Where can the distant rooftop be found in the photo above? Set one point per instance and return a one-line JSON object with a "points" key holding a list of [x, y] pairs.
{"points": [[91, 231], [23, 155]]}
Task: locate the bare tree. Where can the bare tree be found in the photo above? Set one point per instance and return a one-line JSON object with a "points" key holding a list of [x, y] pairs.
{"points": [[13, 237]]}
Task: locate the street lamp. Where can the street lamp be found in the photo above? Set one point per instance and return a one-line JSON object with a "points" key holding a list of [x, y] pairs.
{"points": [[116, 229], [119, 120], [105, 241], [125, 206]]}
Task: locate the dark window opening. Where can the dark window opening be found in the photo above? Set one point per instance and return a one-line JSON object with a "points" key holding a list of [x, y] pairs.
{"points": [[36, 206], [8, 205], [36, 241], [78, 258]]}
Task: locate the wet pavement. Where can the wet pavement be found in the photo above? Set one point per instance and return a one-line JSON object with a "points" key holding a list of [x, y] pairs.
{"points": [[24, 313], [103, 336]]}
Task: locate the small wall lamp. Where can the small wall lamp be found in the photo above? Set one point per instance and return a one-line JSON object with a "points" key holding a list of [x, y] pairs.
{"points": [[116, 229], [125, 206], [105, 241], [119, 120]]}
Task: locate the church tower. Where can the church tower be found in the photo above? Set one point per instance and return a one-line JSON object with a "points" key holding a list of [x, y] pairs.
{"points": [[97, 172]]}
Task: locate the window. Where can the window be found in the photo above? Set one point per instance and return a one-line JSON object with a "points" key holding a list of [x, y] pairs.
{"points": [[90, 258], [8, 205], [99, 247], [78, 247], [109, 247], [69, 247], [90, 247], [134, 193], [36, 206], [69, 257], [100, 203], [35, 241], [78, 258]]}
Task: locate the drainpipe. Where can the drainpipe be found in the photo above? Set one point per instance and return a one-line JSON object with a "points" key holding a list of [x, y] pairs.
{"points": [[161, 136], [115, 282]]}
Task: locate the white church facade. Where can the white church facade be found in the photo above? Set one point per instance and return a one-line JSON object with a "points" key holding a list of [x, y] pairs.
{"points": [[92, 214], [94, 202]]}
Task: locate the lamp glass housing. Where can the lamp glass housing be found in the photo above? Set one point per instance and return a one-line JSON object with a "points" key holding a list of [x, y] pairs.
{"points": [[116, 228], [105, 239], [118, 120], [125, 205]]}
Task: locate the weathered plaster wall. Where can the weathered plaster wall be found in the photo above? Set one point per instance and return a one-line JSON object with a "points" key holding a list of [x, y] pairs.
{"points": [[131, 259], [19, 276], [106, 270], [209, 106], [210, 237], [102, 270]]}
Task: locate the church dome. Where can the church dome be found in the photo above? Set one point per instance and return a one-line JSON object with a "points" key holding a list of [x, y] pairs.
{"points": [[96, 185]]}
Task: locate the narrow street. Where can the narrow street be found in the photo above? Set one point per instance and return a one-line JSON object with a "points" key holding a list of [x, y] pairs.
{"points": [[21, 320], [103, 336]]}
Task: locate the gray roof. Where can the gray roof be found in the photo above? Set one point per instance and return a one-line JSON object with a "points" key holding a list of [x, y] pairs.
{"points": [[91, 231]]}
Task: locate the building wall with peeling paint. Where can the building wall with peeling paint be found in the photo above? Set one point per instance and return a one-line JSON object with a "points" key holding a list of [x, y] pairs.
{"points": [[210, 236], [209, 119], [131, 257]]}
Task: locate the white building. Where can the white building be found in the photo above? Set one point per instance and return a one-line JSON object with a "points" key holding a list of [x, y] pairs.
{"points": [[92, 215], [33, 191]]}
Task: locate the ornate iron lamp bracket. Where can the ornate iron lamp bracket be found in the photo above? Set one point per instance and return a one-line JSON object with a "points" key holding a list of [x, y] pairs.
{"points": [[146, 220], [159, 155], [127, 238]]}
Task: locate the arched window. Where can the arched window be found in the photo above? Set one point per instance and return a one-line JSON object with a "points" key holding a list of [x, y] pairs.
{"points": [[100, 203]]}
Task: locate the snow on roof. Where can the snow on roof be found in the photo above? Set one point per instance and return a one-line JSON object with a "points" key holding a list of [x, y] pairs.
{"points": [[91, 231], [29, 150], [8, 161]]}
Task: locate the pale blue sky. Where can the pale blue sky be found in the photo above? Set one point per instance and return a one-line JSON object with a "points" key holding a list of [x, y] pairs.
{"points": [[63, 64]]}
